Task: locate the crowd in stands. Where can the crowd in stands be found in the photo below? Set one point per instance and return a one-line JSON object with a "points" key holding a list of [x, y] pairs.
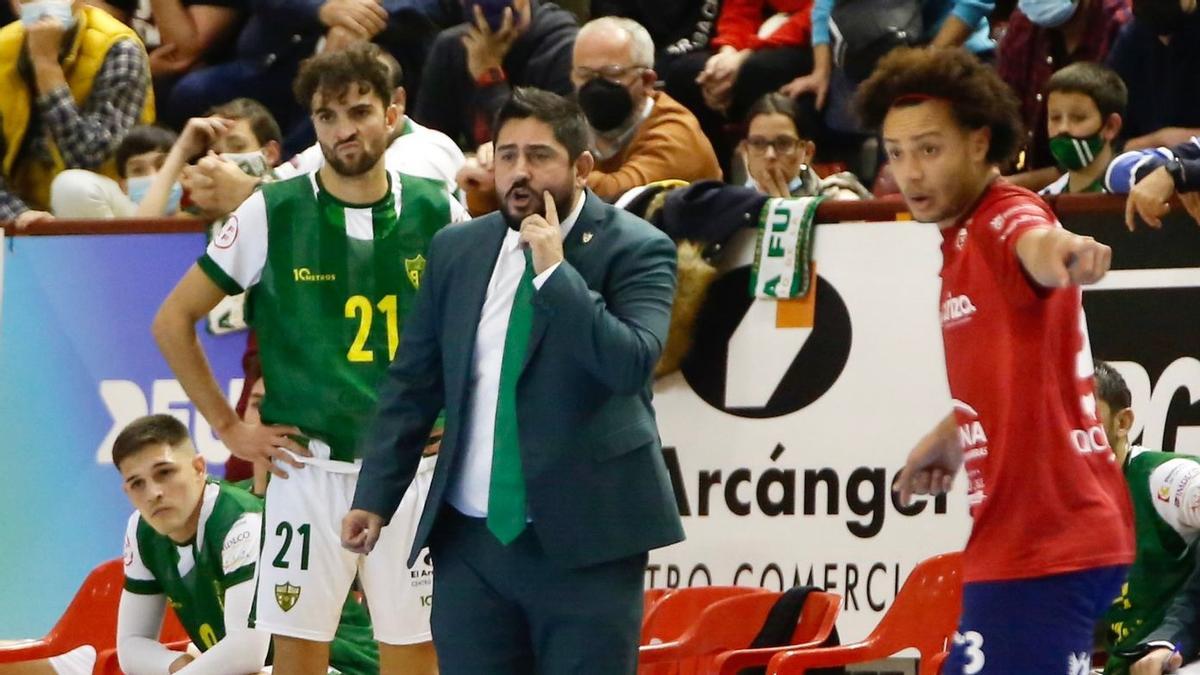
{"points": [[690, 90]]}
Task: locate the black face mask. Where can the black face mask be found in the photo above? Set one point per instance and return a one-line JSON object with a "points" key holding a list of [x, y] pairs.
{"points": [[606, 104], [1163, 17]]}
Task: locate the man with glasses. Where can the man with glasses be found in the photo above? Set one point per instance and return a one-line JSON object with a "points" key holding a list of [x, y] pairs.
{"points": [[640, 135]]}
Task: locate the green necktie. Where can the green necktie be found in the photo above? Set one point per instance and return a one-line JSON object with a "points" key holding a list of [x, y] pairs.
{"points": [[506, 498]]}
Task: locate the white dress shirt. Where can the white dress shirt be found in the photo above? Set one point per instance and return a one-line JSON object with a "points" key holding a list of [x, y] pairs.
{"points": [[470, 486]]}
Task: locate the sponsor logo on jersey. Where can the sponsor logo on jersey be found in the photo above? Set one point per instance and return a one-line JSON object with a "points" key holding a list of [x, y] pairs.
{"points": [[1164, 493], [414, 268], [303, 274], [228, 234], [286, 595], [957, 309]]}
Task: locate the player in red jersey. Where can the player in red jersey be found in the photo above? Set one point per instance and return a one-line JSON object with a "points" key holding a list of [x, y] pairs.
{"points": [[1052, 532]]}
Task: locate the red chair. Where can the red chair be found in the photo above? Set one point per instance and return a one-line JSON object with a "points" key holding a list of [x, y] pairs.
{"points": [[924, 616], [676, 611], [816, 622], [90, 619], [650, 598], [731, 624]]}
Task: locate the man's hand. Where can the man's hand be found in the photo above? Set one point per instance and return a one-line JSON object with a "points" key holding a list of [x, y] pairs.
{"points": [[200, 133], [1159, 661], [544, 236], [474, 177], [932, 464], [360, 531], [27, 218], [486, 48], [815, 83], [1055, 258], [217, 186], [366, 18], [339, 38], [179, 663], [166, 60], [263, 443], [44, 40], [1149, 198]]}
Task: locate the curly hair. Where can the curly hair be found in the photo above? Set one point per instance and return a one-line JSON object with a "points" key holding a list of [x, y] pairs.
{"points": [[976, 94], [333, 73]]}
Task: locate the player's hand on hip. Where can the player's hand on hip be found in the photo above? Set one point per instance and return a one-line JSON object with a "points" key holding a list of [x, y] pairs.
{"points": [[544, 235], [1159, 661], [360, 531], [1084, 260], [932, 464], [263, 444]]}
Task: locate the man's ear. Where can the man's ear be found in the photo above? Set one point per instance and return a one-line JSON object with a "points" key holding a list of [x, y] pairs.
{"points": [[273, 153], [391, 116], [978, 142], [400, 100], [1124, 423], [1112, 127], [584, 164]]}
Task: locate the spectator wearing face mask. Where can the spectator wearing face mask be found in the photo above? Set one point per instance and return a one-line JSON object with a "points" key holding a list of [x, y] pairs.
{"points": [[241, 131], [1084, 109], [79, 193], [74, 81], [640, 135], [1044, 36], [1158, 56]]}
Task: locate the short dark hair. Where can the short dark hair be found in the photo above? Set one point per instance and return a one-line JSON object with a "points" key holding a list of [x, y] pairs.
{"points": [[141, 139], [1103, 85], [333, 73], [776, 103], [145, 431], [395, 70], [262, 122], [976, 94], [1110, 386], [561, 114]]}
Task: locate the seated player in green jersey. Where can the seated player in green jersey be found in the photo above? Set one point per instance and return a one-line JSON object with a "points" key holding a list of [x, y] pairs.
{"points": [[1164, 488], [193, 543]]}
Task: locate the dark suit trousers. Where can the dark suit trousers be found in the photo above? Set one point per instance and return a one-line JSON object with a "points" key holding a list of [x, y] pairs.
{"points": [[510, 610]]}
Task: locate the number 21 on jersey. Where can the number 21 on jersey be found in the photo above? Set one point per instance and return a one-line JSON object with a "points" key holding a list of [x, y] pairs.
{"points": [[360, 308]]}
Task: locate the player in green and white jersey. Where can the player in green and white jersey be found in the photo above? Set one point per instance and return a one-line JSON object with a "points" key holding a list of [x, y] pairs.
{"points": [[331, 262], [1164, 488], [193, 544]]}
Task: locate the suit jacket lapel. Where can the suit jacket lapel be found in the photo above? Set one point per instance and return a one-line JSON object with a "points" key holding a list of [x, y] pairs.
{"points": [[590, 218]]}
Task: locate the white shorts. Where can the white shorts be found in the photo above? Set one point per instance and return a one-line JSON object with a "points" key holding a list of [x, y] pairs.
{"points": [[304, 574]]}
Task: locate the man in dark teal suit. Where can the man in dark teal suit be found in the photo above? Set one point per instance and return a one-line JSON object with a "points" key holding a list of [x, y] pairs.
{"points": [[538, 339]]}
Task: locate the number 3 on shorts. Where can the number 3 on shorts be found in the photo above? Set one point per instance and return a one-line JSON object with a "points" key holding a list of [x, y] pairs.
{"points": [[285, 530], [972, 651]]}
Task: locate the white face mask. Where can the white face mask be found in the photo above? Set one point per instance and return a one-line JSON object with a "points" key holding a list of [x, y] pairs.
{"points": [[31, 12], [253, 163]]}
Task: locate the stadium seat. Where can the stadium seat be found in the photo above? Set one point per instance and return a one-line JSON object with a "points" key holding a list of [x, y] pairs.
{"points": [[816, 623], [90, 619], [676, 611], [732, 624], [650, 598], [924, 616]]}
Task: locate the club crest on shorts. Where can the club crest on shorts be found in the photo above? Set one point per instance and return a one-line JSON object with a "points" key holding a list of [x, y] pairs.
{"points": [[286, 595], [415, 267]]}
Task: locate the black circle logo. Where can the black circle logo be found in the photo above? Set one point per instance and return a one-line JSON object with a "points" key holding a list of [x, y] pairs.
{"points": [[812, 371]]}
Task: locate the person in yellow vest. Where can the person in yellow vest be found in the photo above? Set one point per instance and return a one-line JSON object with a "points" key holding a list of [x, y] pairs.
{"points": [[74, 81]]}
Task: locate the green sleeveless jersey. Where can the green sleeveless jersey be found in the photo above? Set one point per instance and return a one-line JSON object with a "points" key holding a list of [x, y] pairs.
{"points": [[1164, 556], [195, 576], [329, 284]]}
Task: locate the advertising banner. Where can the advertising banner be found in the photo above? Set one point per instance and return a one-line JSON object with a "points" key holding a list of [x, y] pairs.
{"points": [[77, 363]]}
